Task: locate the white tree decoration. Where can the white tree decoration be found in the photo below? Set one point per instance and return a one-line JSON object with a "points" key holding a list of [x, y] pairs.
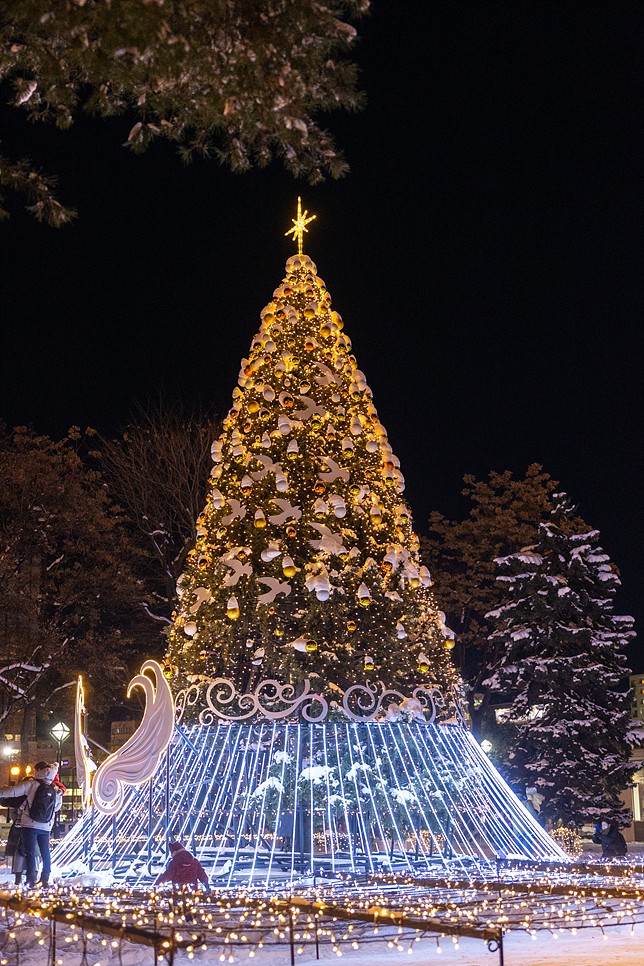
{"points": [[139, 757], [85, 765]]}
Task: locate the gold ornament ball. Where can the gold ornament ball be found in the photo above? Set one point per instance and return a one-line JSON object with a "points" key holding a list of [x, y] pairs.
{"points": [[288, 567], [352, 626], [169, 670], [232, 610], [450, 643], [311, 646]]}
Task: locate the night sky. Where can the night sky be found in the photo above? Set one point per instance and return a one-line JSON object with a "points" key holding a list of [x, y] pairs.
{"points": [[482, 251]]}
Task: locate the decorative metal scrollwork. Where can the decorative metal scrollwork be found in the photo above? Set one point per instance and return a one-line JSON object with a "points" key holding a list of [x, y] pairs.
{"points": [[219, 700], [368, 702], [270, 699]]}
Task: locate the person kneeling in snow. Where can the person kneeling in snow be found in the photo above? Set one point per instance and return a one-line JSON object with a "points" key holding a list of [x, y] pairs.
{"points": [[611, 840], [183, 869]]}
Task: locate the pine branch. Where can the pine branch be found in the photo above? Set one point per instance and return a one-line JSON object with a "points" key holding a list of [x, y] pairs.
{"points": [[37, 188]]}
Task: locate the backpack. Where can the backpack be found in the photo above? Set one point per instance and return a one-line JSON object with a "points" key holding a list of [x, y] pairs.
{"points": [[43, 805]]}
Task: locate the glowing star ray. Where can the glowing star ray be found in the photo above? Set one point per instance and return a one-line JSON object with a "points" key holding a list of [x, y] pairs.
{"points": [[299, 225]]}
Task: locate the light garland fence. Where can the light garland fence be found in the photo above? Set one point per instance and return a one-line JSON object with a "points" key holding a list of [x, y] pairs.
{"points": [[400, 911], [298, 919]]}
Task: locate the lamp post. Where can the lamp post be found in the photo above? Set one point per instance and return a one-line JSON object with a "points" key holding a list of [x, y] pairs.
{"points": [[60, 733]]}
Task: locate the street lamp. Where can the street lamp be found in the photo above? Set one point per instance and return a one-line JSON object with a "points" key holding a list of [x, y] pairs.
{"points": [[60, 733], [486, 746]]}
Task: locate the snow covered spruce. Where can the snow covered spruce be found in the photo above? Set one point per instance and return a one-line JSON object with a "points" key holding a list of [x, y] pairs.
{"points": [[561, 673]]}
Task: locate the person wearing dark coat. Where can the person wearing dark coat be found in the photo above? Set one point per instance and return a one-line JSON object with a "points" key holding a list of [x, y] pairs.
{"points": [[183, 869], [15, 848], [611, 840]]}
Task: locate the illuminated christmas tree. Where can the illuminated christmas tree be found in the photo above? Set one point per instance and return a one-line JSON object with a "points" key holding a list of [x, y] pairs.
{"points": [[306, 564], [305, 732]]}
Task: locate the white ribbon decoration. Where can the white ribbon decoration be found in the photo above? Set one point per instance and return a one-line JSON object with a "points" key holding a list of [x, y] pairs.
{"points": [[138, 759], [84, 763]]}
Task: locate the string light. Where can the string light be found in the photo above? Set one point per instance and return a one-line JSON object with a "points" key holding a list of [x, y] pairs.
{"points": [[391, 795]]}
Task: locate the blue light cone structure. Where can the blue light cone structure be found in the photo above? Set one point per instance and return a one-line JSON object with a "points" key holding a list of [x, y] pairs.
{"points": [[259, 803]]}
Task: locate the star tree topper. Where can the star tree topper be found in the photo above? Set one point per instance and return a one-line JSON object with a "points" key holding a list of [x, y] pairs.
{"points": [[299, 225]]}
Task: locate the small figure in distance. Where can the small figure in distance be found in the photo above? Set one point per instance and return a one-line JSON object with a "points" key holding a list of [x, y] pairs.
{"points": [[611, 840], [533, 802]]}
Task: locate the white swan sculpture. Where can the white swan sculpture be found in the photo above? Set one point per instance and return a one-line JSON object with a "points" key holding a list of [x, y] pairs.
{"points": [[137, 760]]}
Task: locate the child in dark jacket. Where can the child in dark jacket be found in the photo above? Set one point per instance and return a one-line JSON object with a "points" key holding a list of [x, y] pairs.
{"points": [[183, 869], [611, 840]]}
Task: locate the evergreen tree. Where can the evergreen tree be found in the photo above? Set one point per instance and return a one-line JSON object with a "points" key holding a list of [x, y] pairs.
{"points": [[562, 671], [504, 516], [306, 564], [240, 80]]}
